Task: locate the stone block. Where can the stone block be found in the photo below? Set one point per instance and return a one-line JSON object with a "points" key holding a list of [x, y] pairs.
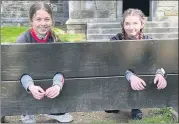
{"points": [[102, 14], [105, 5], [81, 14], [76, 26]]}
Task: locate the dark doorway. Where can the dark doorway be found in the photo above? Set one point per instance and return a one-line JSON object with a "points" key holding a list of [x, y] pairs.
{"points": [[143, 5]]}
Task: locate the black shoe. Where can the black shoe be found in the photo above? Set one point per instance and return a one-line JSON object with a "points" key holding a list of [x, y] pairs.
{"points": [[112, 111], [136, 114]]}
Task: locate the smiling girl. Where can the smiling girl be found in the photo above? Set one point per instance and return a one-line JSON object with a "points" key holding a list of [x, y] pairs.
{"points": [[132, 29], [41, 21]]}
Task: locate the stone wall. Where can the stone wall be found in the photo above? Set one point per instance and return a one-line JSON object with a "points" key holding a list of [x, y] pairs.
{"points": [[81, 12], [167, 10], [92, 9], [16, 12]]}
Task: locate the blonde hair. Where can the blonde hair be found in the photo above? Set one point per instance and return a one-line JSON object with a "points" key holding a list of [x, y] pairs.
{"points": [[133, 12]]}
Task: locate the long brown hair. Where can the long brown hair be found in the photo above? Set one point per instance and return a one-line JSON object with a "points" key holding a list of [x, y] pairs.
{"points": [[46, 7], [133, 12]]}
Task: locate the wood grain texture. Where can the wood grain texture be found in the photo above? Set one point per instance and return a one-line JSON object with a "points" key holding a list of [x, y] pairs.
{"points": [[91, 59], [88, 94], [94, 75]]}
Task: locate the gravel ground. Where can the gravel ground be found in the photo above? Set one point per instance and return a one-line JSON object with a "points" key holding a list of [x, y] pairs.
{"points": [[84, 117]]}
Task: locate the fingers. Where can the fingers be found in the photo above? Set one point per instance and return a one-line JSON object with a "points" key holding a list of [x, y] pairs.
{"points": [[162, 83], [38, 92], [155, 79], [41, 90], [53, 95], [141, 87], [159, 84], [37, 96], [133, 86], [52, 92], [137, 84], [165, 84], [48, 91], [143, 82]]}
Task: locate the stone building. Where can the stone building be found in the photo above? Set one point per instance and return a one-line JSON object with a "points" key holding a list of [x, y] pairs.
{"points": [[79, 14], [154, 10], [16, 12]]}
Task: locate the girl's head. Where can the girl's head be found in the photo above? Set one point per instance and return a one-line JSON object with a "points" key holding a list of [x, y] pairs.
{"points": [[40, 15], [133, 24]]}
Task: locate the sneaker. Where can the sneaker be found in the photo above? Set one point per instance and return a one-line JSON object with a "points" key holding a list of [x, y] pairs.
{"points": [[136, 114], [61, 118], [28, 119]]}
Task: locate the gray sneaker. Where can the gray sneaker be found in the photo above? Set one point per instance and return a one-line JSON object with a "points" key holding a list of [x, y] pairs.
{"points": [[28, 119], [66, 118]]}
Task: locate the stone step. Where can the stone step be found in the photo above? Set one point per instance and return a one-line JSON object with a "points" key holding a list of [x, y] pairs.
{"points": [[118, 25], [106, 40], [146, 30], [153, 35]]}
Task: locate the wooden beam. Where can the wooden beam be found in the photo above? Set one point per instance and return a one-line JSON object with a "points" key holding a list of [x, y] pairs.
{"points": [[88, 59], [88, 94]]}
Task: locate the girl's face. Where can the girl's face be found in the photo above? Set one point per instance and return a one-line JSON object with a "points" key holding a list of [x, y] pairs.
{"points": [[132, 26], [41, 22]]}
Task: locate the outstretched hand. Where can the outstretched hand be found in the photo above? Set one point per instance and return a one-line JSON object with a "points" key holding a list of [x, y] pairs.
{"points": [[137, 83], [160, 80]]}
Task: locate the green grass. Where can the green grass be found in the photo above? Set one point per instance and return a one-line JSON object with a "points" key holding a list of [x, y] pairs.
{"points": [[72, 37], [154, 119], [161, 115], [9, 34], [104, 122]]}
